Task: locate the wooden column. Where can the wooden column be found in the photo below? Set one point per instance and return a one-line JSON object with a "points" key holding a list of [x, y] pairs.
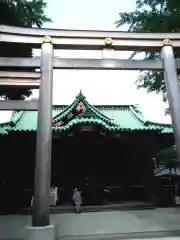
{"points": [[41, 209]]}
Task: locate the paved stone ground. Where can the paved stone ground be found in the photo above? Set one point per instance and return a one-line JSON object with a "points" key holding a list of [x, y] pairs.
{"points": [[169, 238], [102, 225]]}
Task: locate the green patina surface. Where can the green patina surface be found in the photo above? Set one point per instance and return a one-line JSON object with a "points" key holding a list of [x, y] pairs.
{"points": [[112, 118]]}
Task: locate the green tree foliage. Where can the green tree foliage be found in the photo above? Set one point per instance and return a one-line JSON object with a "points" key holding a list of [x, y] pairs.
{"points": [[22, 13], [152, 16], [167, 157]]}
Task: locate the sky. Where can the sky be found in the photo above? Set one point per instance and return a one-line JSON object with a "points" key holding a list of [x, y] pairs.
{"points": [[99, 87]]}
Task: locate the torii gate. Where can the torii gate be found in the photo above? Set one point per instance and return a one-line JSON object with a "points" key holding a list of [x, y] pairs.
{"points": [[50, 39]]}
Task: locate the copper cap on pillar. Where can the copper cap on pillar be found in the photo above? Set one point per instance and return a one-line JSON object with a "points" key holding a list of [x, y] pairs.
{"points": [[167, 42], [47, 39]]}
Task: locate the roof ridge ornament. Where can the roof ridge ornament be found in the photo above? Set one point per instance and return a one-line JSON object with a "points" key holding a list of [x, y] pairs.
{"points": [[80, 95]]}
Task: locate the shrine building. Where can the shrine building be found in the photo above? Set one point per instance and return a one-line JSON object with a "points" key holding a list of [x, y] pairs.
{"points": [[93, 148]]}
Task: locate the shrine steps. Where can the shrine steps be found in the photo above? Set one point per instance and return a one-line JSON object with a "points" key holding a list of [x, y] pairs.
{"points": [[164, 235], [100, 208]]}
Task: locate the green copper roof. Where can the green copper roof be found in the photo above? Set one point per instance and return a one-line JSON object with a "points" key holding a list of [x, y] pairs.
{"points": [[89, 112], [112, 118]]}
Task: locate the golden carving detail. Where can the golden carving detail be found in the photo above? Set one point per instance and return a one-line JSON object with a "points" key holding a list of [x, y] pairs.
{"points": [[80, 107], [87, 128], [58, 124]]}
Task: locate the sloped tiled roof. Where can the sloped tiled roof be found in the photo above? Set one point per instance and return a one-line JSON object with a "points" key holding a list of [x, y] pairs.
{"points": [[113, 118]]}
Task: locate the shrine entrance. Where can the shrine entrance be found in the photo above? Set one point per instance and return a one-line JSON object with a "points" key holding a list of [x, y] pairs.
{"points": [[77, 160], [100, 166]]}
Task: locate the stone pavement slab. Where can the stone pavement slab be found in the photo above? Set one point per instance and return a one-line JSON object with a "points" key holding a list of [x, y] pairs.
{"points": [[163, 238], [101, 225]]}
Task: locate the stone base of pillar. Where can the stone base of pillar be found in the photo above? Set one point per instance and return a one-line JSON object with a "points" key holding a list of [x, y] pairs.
{"points": [[40, 233]]}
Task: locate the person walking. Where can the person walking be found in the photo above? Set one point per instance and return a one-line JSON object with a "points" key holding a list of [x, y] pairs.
{"points": [[77, 200]]}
